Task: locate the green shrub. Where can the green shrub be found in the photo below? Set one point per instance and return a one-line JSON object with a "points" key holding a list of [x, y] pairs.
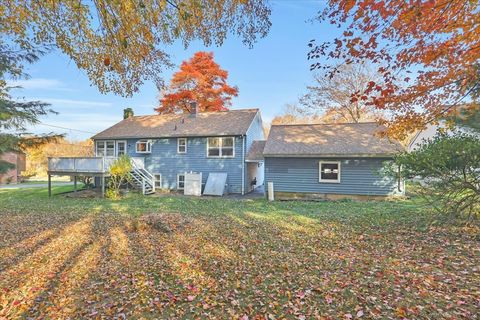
{"points": [[449, 168]]}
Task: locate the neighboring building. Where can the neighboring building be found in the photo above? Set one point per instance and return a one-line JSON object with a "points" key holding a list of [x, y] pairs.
{"points": [[13, 175], [431, 130], [170, 145], [329, 161], [423, 136]]}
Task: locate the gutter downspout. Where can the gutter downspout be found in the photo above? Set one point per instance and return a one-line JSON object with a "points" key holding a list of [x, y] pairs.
{"points": [[243, 165]]}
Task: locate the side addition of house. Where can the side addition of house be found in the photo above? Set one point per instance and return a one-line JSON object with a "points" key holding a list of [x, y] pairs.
{"points": [[329, 161]]}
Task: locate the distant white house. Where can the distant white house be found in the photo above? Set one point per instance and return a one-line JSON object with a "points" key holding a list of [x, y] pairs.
{"points": [[430, 132]]}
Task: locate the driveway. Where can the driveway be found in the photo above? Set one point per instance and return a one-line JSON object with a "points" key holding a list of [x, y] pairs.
{"points": [[34, 185]]}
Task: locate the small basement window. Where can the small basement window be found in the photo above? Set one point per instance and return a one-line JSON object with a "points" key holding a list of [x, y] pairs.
{"points": [[143, 146], [158, 180], [180, 181], [329, 171], [182, 145]]}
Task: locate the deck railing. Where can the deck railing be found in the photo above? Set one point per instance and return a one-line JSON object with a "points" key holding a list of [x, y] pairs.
{"points": [[86, 164]]}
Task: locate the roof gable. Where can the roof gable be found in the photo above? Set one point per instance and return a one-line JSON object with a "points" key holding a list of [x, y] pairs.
{"points": [[345, 139], [223, 123]]}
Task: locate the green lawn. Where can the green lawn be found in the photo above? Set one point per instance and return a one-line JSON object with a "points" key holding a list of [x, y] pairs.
{"points": [[178, 257]]}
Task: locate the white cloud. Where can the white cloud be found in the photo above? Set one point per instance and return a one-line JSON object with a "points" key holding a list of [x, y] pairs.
{"points": [[40, 83]]}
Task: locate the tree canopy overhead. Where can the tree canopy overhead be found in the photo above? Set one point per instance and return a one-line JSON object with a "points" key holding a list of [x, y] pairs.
{"points": [[199, 80], [120, 44], [428, 54]]}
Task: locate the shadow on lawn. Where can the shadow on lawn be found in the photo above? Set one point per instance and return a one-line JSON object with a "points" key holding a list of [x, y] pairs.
{"points": [[87, 264], [78, 258]]}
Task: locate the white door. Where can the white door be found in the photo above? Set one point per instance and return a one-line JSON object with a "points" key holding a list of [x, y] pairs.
{"points": [[139, 162], [121, 148]]}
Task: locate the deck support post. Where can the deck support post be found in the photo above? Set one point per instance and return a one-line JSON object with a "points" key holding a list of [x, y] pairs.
{"points": [[103, 186], [74, 183], [49, 185]]}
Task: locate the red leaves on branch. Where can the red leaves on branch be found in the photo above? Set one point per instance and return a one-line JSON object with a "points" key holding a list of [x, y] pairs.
{"points": [[199, 80], [436, 43]]}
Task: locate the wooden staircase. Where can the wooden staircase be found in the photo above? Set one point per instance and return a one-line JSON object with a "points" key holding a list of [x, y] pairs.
{"points": [[142, 179]]}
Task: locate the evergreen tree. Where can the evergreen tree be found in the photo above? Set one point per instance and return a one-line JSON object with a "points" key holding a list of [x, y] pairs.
{"points": [[15, 116]]}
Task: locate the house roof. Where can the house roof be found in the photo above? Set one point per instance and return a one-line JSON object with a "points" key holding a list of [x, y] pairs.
{"points": [[223, 123], [255, 153], [347, 139]]}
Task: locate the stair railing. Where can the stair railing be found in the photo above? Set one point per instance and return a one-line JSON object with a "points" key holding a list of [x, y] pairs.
{"points": [[146, 177]]}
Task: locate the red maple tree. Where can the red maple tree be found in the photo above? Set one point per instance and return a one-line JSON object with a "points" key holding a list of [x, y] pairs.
{"points": [[199, 80], [428, 52]]}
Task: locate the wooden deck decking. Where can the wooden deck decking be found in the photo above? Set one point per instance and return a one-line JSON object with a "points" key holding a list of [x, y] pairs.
{"points": [[77, 167], [82, 167]]}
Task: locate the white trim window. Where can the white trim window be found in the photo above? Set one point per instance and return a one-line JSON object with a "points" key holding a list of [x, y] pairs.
{"points": [[180, 181], [221, 147], [329, 171], [105, 148], [158, 180], [182, 145], [100, 148], [143, 146], [110, 148]]}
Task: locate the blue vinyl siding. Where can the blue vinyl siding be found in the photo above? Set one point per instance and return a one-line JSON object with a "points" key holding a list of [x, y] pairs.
{"points": [[358, 176], [165, 160]]}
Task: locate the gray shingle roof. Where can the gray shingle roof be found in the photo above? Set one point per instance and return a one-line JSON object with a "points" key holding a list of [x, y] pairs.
{"points": [[255, 153], [348, 139], [224, 123]]}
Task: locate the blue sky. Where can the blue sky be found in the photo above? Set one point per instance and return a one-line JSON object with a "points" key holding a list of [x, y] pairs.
{"points": [[274, 72]]}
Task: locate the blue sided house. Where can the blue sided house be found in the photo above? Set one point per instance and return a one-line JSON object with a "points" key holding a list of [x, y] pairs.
{"points": [[226, 152], [329, 161], [168, 146]]}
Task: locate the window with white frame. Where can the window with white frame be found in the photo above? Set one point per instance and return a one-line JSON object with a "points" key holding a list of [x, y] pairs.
{"points": [[143, 146], [100, 148], [158, 180], [182, 145], [105, 148], [180, 181], [220, 147], [329, 171], [110, 149]]}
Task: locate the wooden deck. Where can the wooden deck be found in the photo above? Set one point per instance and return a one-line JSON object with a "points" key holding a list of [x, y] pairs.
{"points": [[70, 165], [83, 167]]}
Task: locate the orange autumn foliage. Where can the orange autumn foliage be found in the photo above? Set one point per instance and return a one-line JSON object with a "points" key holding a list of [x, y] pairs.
{"points": [[427, 52], [199, 80]]}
